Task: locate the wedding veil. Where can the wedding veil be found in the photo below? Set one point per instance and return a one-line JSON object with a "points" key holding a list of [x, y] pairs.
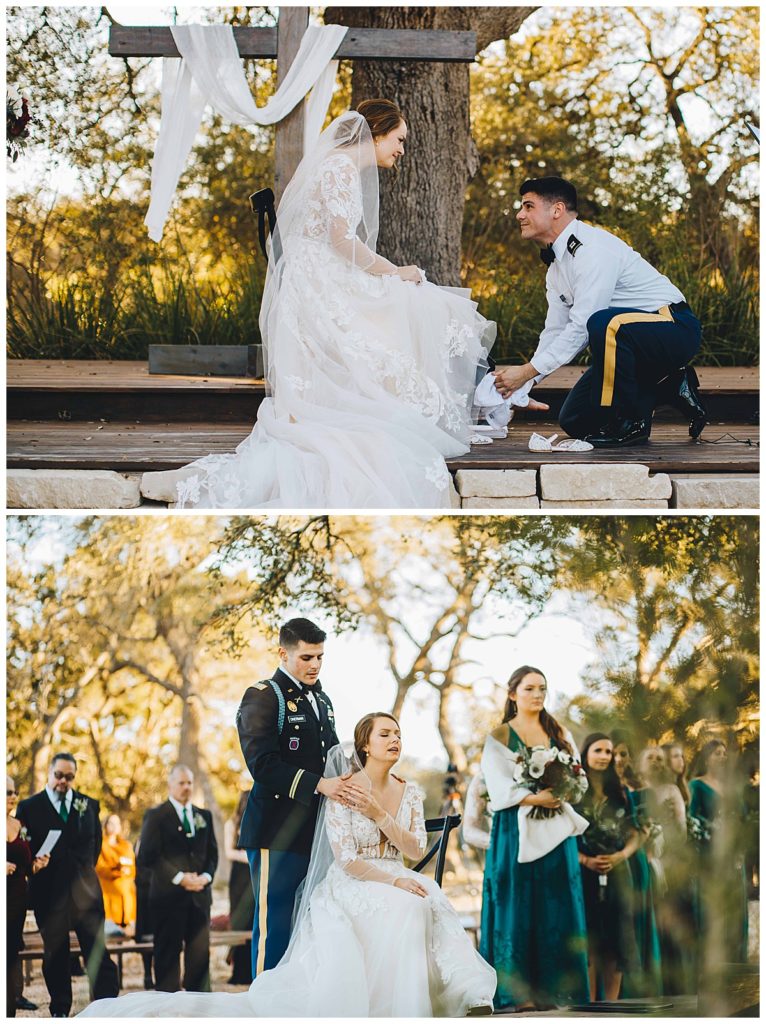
{"points": [[341, 760], [344, 154]]}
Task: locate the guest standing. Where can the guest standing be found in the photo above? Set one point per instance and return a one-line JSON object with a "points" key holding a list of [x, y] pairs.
{"points": [[178, 846], [676, 762], [647, 981], [116, 870], [533, 916], [67, 894], [241, 897], [20, 865], [661, 800], [605, 849], [722, 892]]}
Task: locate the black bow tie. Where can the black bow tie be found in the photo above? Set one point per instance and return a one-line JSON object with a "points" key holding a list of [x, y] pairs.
{"points": [[316, 688], [547, 255]]}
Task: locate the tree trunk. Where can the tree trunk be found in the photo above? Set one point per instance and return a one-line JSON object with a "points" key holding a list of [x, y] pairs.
{"points": [[421, 208], [189, 755]]}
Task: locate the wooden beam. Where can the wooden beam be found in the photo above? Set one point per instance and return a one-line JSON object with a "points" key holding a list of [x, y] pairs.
{"points": [[359, 43], [293, 22]]}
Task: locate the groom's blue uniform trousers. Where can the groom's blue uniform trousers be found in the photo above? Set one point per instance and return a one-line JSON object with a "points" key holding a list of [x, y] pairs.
{"points": [[285, 743]]}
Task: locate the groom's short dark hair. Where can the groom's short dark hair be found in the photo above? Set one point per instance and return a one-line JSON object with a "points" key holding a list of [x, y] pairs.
{"points": [[557, 190], [291, 634]]}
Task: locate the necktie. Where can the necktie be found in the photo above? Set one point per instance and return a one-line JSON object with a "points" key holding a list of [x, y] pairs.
{"points": [[63, 808], [186, 823], [547, 255]]}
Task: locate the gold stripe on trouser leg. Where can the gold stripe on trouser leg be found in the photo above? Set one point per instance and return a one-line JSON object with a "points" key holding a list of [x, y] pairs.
{"points": [[263, 909], [610, 345]]}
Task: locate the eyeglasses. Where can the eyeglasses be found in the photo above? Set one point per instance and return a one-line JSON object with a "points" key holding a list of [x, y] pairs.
{"points": [[69, 776], [11, 792]]}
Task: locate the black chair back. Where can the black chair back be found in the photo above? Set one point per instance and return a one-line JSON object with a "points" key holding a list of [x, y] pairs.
{"points": [[442, 826], [262, 205]]}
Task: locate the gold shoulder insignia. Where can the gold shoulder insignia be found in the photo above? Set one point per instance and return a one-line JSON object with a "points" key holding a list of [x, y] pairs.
{"points": [[261, 686]]}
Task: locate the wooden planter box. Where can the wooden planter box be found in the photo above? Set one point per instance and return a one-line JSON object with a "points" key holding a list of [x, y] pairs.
{"points": [[207, 360]]}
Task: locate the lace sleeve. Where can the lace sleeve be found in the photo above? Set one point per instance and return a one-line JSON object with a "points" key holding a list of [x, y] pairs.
{"points": [[412, 842], [341, 835], [340, 195]]}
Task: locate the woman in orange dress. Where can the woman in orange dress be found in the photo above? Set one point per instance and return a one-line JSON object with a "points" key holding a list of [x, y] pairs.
{"points": [[116, 870]]}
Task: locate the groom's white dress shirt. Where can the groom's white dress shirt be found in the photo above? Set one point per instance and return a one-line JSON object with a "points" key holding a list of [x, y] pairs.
{"points": [[595, 271], [305, 690]]}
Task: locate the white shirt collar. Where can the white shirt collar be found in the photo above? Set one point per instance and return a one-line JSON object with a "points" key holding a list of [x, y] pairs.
{"points": [[560, 245], [179, 809], [54, 798]]}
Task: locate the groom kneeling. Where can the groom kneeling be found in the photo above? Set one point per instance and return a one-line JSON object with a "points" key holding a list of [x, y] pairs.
{"points": [[638, 325]]}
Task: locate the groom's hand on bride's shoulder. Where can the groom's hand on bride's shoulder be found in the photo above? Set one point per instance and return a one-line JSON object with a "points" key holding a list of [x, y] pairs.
{"points": [[333, 788]]}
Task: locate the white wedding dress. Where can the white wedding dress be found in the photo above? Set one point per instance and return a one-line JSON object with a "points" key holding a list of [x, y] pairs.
{"points": [[370, 378], [364, 948]]}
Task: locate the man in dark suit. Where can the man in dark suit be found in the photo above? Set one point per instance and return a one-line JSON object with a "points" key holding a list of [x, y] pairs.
{"points": [[286, 727], [178, 846], [67, 895]]}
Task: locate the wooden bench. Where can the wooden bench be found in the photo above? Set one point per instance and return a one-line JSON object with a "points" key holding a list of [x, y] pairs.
{"points": [[118, 947]]}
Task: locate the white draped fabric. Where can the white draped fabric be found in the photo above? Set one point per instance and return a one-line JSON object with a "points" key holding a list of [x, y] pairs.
{"points": [[537, 836], [211, 73]]}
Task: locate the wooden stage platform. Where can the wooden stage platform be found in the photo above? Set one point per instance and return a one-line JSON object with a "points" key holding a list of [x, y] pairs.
{"points": [[114, 415]]}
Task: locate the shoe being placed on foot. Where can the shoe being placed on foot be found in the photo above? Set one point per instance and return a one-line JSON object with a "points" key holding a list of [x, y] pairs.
{"points": [[619, 433], [482, 1010], [681, 390]]}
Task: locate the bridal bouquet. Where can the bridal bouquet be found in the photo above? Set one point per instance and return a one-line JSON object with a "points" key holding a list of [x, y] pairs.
{"points": [[17, 121], [539, 768]]}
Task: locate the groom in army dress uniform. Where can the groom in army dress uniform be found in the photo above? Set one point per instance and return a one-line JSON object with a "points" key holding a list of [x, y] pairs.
{"points": [[604, 296], [286, 728]]}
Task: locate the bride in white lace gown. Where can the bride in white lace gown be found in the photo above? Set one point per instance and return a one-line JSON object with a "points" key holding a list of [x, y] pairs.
{"points": [[371, 370], [371, 938]]}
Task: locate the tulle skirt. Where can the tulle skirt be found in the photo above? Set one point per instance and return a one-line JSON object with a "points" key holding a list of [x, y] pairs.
{"points": [[373, 383], [366, 949]]}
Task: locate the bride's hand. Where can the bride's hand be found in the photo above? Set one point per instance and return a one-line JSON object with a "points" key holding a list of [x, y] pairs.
{"points": [[411, 885], [362, 800], [410, 274]]}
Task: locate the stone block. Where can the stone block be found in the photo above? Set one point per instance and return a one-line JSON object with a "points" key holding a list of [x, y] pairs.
{"points": [[602, 482], [497, 483], [454, 497], [715, 490], [71, 488], [509, 503], [579, 506]]}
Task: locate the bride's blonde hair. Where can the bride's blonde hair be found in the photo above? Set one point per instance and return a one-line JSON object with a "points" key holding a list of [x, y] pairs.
{"points": [[363, 731]]}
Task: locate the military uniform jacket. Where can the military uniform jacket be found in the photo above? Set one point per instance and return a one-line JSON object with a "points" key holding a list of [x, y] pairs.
{"points": [[71, 872], [286, 768]]}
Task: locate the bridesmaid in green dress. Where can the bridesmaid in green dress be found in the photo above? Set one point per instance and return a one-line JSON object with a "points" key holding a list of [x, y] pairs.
{"points": [[533, 915], [647, 981], [722, 883], [605, 849]]}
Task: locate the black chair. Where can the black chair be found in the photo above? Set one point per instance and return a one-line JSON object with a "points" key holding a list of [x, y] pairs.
{"points": [[439, 850], [262, 205]]}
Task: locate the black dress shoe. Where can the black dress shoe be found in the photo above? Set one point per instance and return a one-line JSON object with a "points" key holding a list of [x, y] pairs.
{"points": [[22, 1003], [681, 390], [621, 433]]}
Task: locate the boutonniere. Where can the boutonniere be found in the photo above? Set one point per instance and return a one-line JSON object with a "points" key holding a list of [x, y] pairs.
{"points": [[80, 805], [23, 834], [199, 821]]}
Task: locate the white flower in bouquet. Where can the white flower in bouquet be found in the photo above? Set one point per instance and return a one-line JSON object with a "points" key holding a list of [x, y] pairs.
{"points": [[564, 757], [13, 101]]}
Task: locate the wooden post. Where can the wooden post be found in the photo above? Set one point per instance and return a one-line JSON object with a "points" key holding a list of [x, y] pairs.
{"points": [[288, 150]]}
